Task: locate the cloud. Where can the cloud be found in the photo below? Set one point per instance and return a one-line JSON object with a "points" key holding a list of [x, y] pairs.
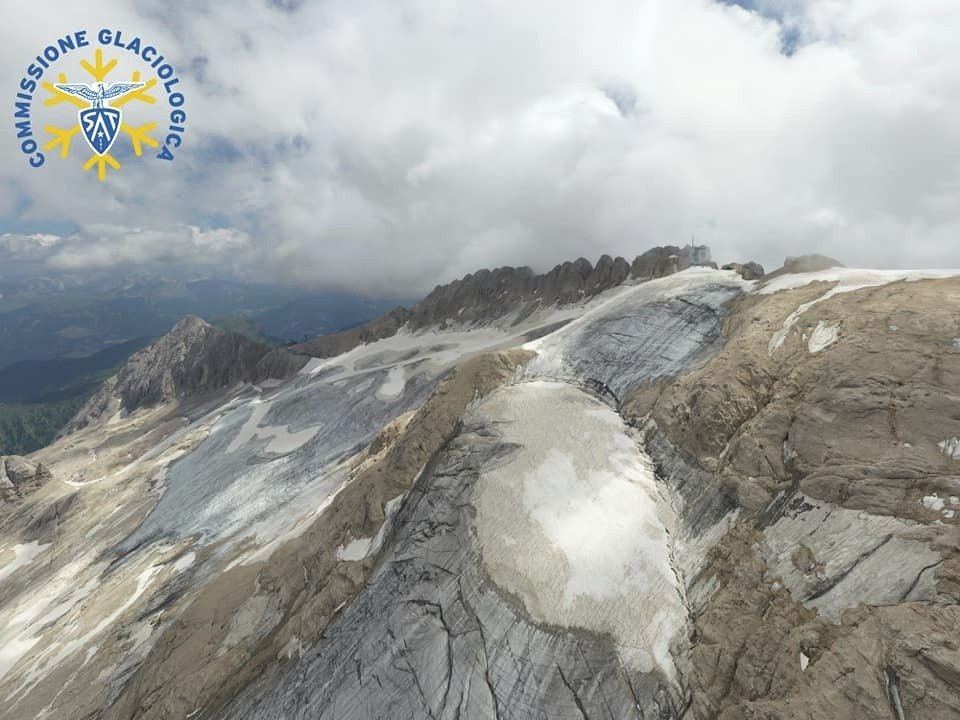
{"points": [[104, 246], [385, 147], [27, 245]]}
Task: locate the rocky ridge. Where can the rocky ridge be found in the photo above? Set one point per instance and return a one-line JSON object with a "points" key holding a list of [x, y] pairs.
{"points": [[489, 295]]}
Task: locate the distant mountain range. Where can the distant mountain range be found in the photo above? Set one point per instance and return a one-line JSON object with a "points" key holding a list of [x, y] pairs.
{"points": [[53, 317], [61, 336]]}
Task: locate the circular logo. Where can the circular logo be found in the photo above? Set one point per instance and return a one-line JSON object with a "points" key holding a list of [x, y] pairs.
{"points": [[102, 97]]}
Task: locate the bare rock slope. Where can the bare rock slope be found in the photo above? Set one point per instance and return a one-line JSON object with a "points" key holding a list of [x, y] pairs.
{"points": [[836, 439]]}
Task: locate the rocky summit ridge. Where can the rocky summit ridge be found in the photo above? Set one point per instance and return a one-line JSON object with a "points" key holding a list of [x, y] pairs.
{"points": [[683, 494], [490, 295]]}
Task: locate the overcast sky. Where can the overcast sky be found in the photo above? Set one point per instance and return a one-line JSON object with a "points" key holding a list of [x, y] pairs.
{"points": [[388, 145]]}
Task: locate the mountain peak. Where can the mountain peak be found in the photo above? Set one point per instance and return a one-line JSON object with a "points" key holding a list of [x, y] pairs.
{"points": [[193, 358], [190, 323]]}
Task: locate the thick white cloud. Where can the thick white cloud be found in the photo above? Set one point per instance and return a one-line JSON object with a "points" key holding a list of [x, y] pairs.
{"points": [[387, 146], [104, 246]]}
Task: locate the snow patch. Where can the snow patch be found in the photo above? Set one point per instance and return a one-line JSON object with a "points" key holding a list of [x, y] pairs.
{"points": [[804, 661], [141, 634], [362, 548], [280, 439], [59, 650], [184, 562], [932, 502], [824, 336], [355, 550], [12, 650], [950, 447], [847, 280], [591, 518], [252, 620], [436, 350], [393, 386], [776, 342], [293, 649]]}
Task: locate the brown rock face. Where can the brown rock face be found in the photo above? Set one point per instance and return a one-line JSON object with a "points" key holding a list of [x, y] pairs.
{"points": [[811, 457], [855, 409], [859, 423]]}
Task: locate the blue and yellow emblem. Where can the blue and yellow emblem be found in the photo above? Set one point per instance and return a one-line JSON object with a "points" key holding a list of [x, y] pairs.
{"points": [[100, 121], [99, 97]]}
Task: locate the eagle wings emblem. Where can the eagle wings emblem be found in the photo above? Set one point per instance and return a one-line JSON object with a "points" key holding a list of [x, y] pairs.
{"points": [[100, 123], [97, 95]]}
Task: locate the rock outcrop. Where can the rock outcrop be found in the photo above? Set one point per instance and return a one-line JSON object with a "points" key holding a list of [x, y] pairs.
{"points": [[661, 261], [806, 263], [192, 359], [232, 630], [19, 476], [748, 271]]}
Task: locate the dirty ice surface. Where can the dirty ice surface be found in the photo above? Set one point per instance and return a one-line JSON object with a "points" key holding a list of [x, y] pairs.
{"points": [[269, 459], [573, 522], [646, 331]]}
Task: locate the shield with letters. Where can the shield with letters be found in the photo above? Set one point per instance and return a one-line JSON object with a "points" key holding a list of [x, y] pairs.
{"points": [[100, 126]]}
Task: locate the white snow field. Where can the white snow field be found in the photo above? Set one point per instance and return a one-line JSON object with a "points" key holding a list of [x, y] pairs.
{"points": [[574, 523]]}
